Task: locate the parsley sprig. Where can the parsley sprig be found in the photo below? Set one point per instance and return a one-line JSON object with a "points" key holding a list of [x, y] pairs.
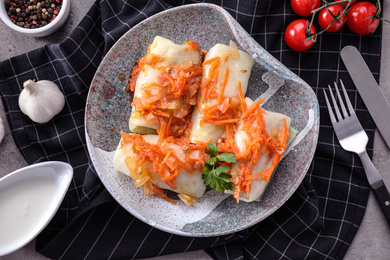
{"points": [[216, 175]]}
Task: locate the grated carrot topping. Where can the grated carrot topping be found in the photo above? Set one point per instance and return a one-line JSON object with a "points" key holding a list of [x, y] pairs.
{"points": [[252, 108], [161, 157], [242, 98], [223, 86], [172, 95], [224, 122], [229, 145], [212, 61], [150, 59], [220, 111], [193, 46], [209, 84], [260, 143], [157, 155], [170, 79]]}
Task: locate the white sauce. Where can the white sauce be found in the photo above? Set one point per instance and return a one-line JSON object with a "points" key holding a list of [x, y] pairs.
{"points": [[22, 207]]}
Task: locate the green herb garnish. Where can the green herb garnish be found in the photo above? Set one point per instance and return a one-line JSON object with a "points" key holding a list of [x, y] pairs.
{"points": [[216, 176]]}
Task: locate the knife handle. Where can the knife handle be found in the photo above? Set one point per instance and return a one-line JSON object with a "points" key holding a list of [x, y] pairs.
{"points": [[383, 197], [377, 185]]}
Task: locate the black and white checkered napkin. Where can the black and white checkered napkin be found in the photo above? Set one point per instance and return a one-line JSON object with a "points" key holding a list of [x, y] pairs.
{"points": [[318, 222]]}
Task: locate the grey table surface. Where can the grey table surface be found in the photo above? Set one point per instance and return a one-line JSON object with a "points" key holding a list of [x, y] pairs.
{"points": [[373, 238]]}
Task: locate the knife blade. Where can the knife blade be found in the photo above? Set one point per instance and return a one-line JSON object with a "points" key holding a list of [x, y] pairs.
{"points": [[368, 89]]}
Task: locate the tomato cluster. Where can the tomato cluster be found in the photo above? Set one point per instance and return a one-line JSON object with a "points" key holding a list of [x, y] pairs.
{"points": [[361, 18]]}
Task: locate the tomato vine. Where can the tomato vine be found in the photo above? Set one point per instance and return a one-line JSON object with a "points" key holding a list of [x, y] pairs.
{"points": [[361, 18]]}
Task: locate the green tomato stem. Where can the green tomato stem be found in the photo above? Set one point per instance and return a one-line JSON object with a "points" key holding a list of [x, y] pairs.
{"points": [[309, 35]]}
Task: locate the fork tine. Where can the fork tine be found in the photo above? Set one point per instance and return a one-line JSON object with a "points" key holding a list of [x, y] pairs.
{"points": [[331, 115], [347, 100], [336, 107], [341, 100]]}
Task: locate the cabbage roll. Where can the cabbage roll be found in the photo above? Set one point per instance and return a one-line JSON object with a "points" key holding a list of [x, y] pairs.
{"points": [[226, 72], [165, 83], [274, 123], [128, 162]]}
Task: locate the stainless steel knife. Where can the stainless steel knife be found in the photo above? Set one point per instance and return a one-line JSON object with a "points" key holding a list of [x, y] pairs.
{"points": [[379, 109], [369, 90]]}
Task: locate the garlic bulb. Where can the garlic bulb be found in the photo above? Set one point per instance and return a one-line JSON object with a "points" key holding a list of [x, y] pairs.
{"points": [[41, 100], [2, 130]]}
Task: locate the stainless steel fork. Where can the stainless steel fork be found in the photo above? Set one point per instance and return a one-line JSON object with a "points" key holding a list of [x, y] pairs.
{"points": [[353, 138]]}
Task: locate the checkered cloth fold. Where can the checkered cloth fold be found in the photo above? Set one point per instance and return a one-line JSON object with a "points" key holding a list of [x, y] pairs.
{"points": [[318, 222]]}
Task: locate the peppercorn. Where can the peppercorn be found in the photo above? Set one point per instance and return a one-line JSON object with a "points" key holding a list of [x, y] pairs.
{"points": [[32, 14]]}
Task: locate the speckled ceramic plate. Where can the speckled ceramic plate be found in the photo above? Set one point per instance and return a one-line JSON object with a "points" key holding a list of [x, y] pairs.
{"points": [[108, 110]]}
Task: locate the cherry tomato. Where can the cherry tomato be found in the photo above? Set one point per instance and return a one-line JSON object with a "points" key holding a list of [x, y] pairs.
{"points": [[295, 35], [325, 18], [345, 4], [304, 7], [357, 18]]}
